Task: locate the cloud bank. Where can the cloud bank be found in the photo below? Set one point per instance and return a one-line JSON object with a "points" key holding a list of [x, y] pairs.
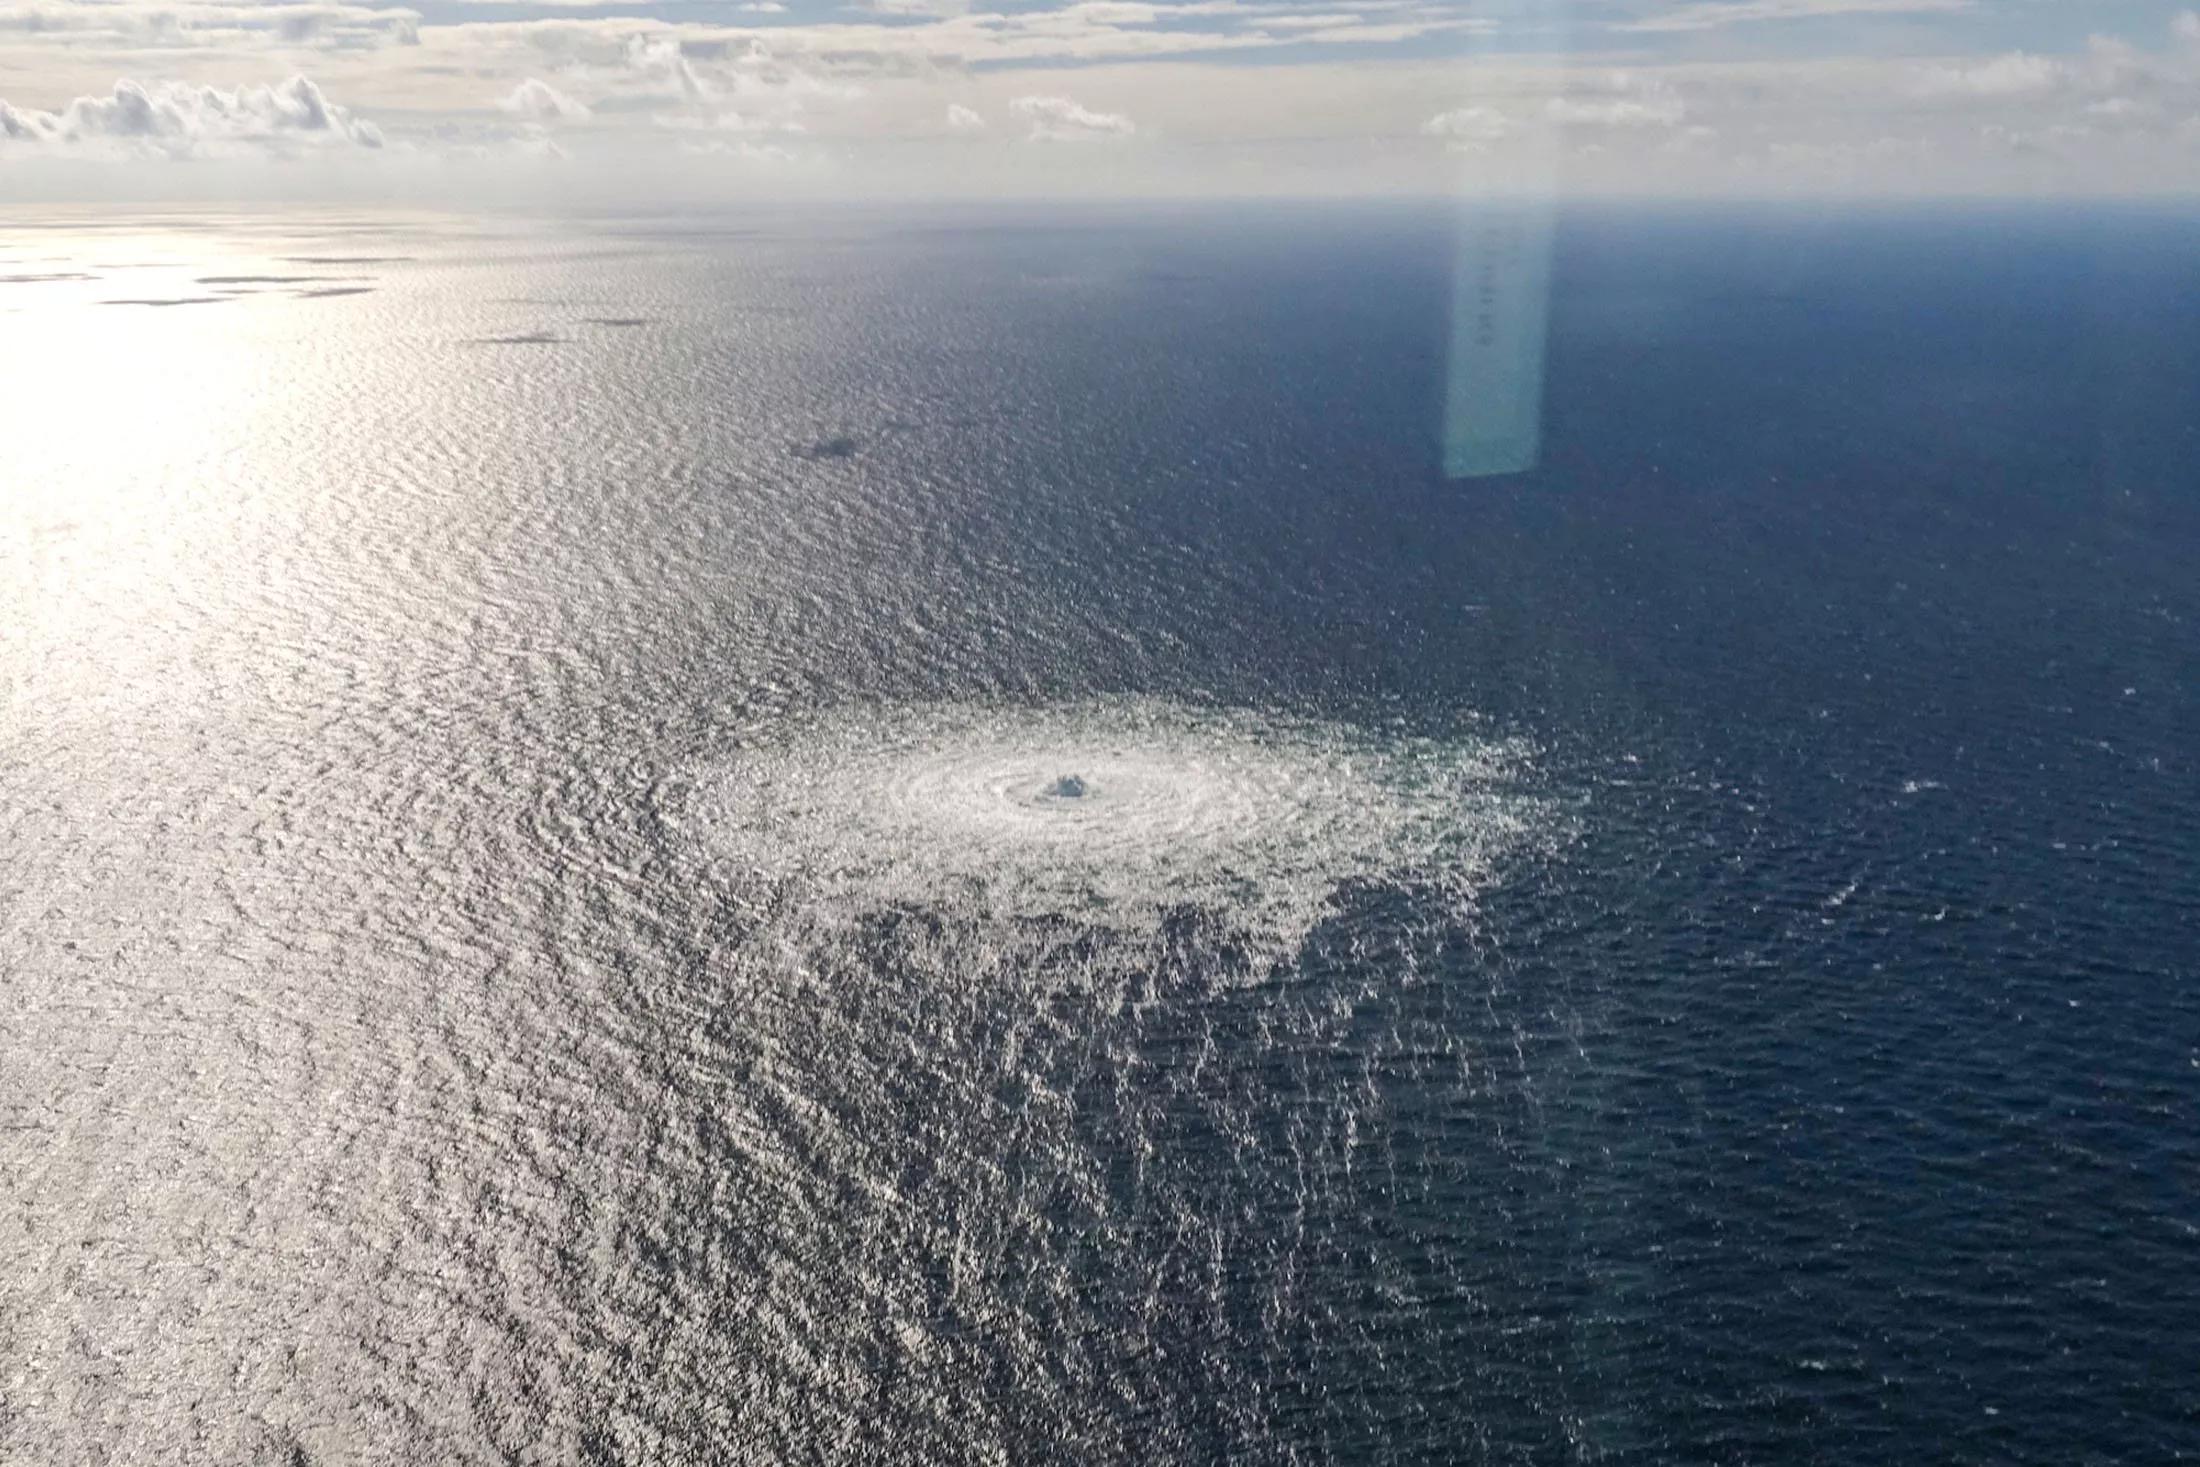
{"points": [[187, 121], [909, 96]]}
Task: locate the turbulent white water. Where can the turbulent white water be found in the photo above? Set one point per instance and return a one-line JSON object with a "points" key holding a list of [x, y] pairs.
{"points": [[1111, 815]]}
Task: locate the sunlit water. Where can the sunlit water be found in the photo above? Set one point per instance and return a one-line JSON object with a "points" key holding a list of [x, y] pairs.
{"points": [[849, 839]]}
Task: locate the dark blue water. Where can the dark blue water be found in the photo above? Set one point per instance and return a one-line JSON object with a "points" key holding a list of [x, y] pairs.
{"points": [[1883, 531], [1875, 544], [401, 1063]]}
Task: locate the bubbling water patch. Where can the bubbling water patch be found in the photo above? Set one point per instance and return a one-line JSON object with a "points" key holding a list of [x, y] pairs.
{"points": [[1112, 816]]}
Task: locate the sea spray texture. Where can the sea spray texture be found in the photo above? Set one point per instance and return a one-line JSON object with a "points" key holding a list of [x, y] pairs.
{"points": [[995, 1024], [1249, 818]]}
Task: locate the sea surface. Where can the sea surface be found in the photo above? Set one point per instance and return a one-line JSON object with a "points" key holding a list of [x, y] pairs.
{"points": [[931, 837]]}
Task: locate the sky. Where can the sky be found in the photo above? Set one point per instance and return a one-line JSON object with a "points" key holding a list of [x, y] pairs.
{"points": [[624, 101]]}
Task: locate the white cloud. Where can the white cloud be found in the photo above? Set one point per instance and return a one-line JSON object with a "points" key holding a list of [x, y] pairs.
{"points": [[2185, 25], [659, 59], [538, 101], [1618, 112], [332, 27], [1327, 20], [185, 121], [1058, 119], [2018, 74], [725, 120], [1707, 15], [1620, 100], [1469, 129], [211, 25], [964, 119], [689, 82]]}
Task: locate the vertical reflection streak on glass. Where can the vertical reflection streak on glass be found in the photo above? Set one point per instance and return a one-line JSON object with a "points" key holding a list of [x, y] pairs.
{"points": [[1501, 267]]}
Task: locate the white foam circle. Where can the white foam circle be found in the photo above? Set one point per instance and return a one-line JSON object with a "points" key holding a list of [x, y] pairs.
{"points": [[1112, 814]]}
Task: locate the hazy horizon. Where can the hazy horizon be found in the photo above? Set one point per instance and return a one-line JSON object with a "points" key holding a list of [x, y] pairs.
{"points": [[656, 101]]}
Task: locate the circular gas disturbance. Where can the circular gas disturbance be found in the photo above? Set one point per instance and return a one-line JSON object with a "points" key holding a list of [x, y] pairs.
{"points": [[1254, 819]]}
